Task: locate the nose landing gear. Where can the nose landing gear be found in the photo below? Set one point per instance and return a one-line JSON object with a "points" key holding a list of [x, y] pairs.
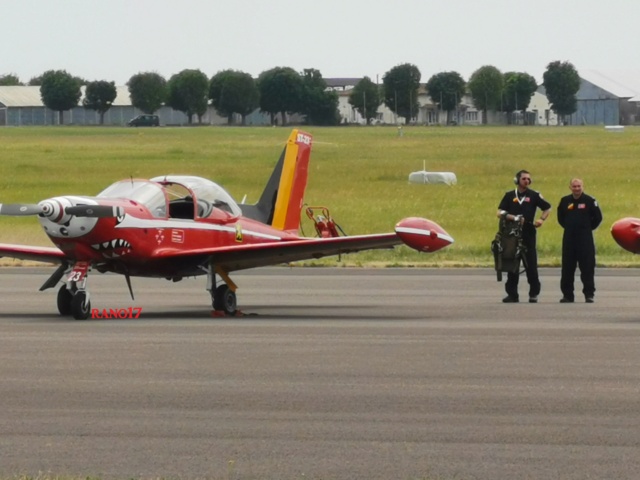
{"points": [[73, 299], [74, 302]]}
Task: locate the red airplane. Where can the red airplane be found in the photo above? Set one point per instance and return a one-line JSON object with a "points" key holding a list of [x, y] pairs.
{"points": [[177, 226], [626, 232]]}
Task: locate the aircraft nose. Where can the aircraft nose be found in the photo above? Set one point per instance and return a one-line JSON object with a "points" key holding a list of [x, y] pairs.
{"points": [[58, 220], [54, 209], [626, 232]]}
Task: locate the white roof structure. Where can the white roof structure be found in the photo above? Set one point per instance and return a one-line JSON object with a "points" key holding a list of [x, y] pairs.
{"points": [[622, 83], [29, 96]]}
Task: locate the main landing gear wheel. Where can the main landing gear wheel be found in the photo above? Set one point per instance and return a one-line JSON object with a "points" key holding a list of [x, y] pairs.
{"points": [[224, 299], [80, 305], [64, 301]]}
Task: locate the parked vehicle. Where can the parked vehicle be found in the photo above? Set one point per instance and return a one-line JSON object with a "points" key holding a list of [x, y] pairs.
{"points": [[144, 121]]}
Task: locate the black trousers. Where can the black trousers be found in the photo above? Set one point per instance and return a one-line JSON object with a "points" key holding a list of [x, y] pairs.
{"points": [[531, 255], [578, 250]]}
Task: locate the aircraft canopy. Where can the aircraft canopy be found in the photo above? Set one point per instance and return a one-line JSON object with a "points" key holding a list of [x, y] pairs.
{"points": [[147, 193], [203, 189]]}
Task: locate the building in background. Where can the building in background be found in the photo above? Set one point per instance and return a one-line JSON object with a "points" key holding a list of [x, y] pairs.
{"points": [[22, 105], [538, 113], [603, 99], [608, 98]]}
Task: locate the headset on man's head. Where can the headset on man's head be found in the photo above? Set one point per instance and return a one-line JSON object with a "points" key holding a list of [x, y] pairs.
{"points": [[516, 179]]}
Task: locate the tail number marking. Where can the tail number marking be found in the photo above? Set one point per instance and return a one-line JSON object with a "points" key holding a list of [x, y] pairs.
{"points": [[302, 138]]}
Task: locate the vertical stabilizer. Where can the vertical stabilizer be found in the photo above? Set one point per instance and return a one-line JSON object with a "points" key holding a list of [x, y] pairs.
{"points": [[281, 201]]}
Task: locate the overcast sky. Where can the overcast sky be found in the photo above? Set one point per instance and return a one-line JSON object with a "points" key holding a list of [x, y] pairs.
{"points": [[115, 39]]}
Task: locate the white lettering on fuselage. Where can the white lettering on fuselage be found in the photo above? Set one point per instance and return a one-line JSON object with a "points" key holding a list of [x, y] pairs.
{"points": [[302, 138]]}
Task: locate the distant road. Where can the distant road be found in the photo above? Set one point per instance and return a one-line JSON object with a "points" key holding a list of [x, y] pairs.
{"points": [[332, 373]]}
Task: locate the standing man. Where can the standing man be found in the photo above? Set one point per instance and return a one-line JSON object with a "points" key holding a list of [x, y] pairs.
{"points": [[521, 204], [579, 214]]}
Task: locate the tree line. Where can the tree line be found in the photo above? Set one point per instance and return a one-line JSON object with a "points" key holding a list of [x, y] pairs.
{"points": [[488, 88], [283, 91]]}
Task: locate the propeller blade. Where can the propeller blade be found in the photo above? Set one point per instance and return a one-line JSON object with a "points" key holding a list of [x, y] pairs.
{"points": [[20, 209], [95, 211]]}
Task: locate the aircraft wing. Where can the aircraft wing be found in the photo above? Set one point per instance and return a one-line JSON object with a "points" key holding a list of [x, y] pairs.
{"points": [[38, 254], [239, 257]]}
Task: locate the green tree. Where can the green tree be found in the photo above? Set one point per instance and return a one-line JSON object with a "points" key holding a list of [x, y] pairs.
{"points": [[400, 90], [232, 91], [148, 91], [99, 96], [316, 102], [518, 89], [365, 98], [35, 81], [188, 92], [59, 91], [10, 80], [446, 89], [485, 87], [280, 92], [561, 83], [81, 81]]}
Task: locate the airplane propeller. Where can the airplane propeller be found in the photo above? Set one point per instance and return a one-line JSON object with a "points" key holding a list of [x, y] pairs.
{"points": [[95, 211], [20, 209], [45, 209]]}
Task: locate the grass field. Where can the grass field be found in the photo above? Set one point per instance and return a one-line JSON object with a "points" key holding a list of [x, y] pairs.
{"points": [[360, 173]]}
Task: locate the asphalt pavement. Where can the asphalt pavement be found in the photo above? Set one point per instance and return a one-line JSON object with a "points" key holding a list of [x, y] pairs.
{"points": [[330, 373]]}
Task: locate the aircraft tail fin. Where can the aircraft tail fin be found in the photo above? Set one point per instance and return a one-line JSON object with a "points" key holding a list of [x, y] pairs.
{"points": [[281, 201]]}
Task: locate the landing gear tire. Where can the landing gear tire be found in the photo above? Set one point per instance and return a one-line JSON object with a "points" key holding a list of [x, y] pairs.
{"points": [[80, 305], [224, 299], [64, 301]]}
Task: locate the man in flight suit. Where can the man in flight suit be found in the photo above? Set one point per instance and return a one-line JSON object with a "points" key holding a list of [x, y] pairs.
{"points": [[579, 214], [521, 204]]}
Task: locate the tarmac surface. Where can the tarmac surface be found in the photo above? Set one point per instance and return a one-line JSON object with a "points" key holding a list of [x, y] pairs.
{"points": [[331, 373]]}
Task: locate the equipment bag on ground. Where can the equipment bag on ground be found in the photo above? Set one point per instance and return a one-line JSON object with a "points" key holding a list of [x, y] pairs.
{"points": [[507, 247]]}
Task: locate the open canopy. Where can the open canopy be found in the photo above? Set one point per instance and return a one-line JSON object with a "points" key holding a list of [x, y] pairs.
{"points": [[202, 189], [155, 193]]}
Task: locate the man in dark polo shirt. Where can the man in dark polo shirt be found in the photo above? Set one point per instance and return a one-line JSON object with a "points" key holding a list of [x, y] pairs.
{"points": [[521, 204], [579, 214]]}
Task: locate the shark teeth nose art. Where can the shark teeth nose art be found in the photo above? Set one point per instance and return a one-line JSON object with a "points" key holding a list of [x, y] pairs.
{"points": [[113, 248]]}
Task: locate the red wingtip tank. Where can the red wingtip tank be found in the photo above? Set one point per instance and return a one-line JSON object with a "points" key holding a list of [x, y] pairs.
{"points": [[422, 234], [626, 232]]}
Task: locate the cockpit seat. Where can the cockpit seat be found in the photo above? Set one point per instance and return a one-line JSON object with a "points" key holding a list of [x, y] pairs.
{"points": [[204, 208], [182, 208]]}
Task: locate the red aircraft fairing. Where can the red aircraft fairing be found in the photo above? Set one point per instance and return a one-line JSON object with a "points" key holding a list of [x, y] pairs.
{"points": [[175, 226], [626, 232]]}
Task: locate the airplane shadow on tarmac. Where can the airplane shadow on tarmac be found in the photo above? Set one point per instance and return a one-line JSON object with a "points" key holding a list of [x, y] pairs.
{"points": [[274, 312]]}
